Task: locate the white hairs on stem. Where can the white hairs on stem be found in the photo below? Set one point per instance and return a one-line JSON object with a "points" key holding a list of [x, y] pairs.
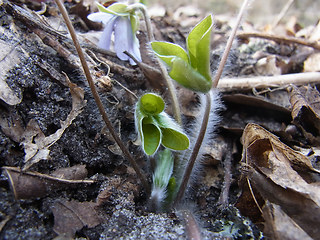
{"points": [[214, 119]]}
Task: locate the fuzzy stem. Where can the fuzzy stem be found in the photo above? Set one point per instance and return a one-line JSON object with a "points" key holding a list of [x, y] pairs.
{"points": [[171, 88], [192, 160], [206, 114], [229, 44], [97, 99]]}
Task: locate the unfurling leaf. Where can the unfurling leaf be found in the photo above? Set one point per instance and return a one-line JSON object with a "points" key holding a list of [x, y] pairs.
{"points": [[152, 104], [198, 45], [191, 69], [155, 127]]}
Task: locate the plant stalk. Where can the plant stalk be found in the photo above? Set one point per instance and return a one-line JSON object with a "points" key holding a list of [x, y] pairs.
{"points": [[97, 99], [195, 151]]}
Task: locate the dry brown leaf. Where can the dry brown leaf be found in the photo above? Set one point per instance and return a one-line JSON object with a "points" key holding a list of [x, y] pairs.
{"points": [[71, 216], [12, 126], [312, 64], [279, 226], [315, 34], [282, 176], [36, 144], [268, 66], [254, 132], [31, 185], [9, 58], [305, 102]]}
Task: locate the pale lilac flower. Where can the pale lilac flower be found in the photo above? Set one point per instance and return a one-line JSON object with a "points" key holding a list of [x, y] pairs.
{"points": [[124, 37]]}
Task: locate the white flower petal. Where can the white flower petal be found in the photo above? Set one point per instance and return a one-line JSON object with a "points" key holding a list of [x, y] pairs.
{"points": [[135, 50], [100, 17], [122, 37], [105, 39], [125, 40]]}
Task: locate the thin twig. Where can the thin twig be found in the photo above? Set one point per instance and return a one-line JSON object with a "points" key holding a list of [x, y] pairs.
{"points": [[95, 94], [269, 81], [229, 44], [195, 151], [280, 39]]}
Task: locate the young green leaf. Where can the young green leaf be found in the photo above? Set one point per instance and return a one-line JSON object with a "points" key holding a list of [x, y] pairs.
{"points": [[172, 135], [188, 77], [198, 45], [151, 138], [190, 69], [155, 127], [167, 52], [152, 104]]}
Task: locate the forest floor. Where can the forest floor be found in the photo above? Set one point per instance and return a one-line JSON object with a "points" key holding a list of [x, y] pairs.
{"points": [[64, 177]]}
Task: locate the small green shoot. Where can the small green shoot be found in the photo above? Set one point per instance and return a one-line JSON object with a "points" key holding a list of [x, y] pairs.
{"points": [[189, 68], [155, 127]]}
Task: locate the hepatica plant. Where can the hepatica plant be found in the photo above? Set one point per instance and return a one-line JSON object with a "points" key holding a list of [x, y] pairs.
{"points": [[189, 68], [123, 21], [155, 127]]}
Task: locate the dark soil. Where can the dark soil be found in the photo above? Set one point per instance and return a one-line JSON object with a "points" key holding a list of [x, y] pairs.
{"points": [[124, 213]]}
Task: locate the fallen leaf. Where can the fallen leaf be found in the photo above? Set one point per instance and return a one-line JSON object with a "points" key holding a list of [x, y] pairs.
{"points": [[9, 58], [280, 226], [282, 176], [12, 125], [269, 66], [36, 144], [305, 102], [312, 64], [32, 185], [71, 216]]}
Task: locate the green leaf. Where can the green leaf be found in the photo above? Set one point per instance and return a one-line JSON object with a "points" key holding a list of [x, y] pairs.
{"points": [[167, 52], [151, 137], [172, 135], [152, 104], [198, 45], [174, 140], [119, 9], [188, 77]]}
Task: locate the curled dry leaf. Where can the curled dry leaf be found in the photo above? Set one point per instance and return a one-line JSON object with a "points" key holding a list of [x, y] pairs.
{"points": [[305, 102], [283, 177], [31, 185], [71, 216], [312, 64], [36, 144]]}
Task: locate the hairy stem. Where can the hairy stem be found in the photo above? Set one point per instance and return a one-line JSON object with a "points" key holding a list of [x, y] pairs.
{"points": [[206, 114], [97, 99], [195, 151], [229, 44], [171, 88]]}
